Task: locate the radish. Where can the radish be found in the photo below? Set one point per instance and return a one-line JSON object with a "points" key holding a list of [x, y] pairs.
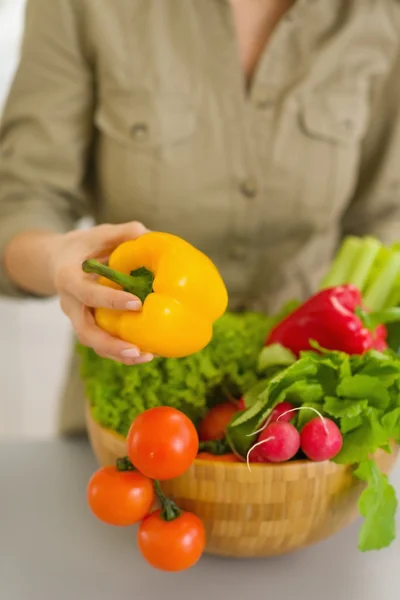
{"points": [[282, 412], [321, 439], [278, 442], [256, 456], [241, 405]]}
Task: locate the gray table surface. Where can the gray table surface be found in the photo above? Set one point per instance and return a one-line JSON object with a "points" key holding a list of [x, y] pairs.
{"points": [[52, 548]]}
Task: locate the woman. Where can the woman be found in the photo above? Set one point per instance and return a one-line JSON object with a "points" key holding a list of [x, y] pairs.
{"points": [[259, 130]]}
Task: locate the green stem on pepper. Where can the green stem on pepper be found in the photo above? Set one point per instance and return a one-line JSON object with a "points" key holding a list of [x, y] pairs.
{"points": [[169, 510], [139, 282], [382, 317]]}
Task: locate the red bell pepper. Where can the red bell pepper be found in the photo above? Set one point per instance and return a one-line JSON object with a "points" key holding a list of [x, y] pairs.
{"points": [[329, 318]]}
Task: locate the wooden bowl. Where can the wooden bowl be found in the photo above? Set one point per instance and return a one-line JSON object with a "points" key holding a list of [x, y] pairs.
{"points": [[272, 510]]}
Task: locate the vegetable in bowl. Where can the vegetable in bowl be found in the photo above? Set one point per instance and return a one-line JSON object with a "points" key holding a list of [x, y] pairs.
{"points": [[227, 367], [353, 387]]}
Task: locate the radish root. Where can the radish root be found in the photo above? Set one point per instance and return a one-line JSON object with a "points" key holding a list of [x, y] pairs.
{"points": [[267, 422], [306, 408], [255, 446]]}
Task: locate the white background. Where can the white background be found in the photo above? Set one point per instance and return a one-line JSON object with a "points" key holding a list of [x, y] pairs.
{"points": [[34, 336]]}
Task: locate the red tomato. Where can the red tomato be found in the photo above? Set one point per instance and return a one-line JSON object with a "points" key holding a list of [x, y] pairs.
{"points": [[162, 443], [229, 457], [120, 498], [215, 422], [172, 545]]}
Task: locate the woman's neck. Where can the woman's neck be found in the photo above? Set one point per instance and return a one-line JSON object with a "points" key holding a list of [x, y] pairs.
{"points": [[255, 21]]}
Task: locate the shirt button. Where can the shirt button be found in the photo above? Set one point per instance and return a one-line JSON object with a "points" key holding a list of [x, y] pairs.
{"points": [[263, 103], [6, 151], [140, 132], [348, 125], [248, 188], [238, 252]]}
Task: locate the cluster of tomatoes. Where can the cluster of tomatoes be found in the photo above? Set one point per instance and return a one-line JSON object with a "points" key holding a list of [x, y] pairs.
{"points": [[162, 444]]}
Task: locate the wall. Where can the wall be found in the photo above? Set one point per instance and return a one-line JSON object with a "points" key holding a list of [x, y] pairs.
{"points": [[34, 336]]}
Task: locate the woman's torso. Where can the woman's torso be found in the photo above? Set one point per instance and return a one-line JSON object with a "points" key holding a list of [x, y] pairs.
{"points": [[259, 178]]}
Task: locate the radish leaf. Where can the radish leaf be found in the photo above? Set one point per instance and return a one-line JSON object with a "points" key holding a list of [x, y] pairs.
{"points": [[377, 504]]}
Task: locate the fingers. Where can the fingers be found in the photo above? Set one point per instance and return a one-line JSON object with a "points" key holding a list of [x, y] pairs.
{"points": [[92, 336], [110, 236], [91, 294]]}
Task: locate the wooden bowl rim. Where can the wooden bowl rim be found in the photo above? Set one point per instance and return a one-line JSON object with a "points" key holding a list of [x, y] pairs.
{"points": [[302, 464]]}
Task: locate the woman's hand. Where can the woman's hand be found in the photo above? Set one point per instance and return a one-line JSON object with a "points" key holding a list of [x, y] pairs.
{"points": [[79, 293]]}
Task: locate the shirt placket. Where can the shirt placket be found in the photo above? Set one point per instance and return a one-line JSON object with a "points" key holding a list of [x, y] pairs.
{"points": [[251, 149]]}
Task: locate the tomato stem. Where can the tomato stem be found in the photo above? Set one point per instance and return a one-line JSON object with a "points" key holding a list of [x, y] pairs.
{"points": [[216, 447], [124, 464], [169, 510]]}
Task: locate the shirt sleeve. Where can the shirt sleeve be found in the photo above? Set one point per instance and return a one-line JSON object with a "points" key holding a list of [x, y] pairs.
{"points": [[375, 209], [46, 128]]}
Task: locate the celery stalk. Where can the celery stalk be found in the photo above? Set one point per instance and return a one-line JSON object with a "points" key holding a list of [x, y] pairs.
{"points": [[364, 262], [394, 296], [377, 295], [348, 258]]}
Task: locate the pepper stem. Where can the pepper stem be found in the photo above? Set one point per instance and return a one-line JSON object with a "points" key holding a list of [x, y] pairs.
{"points": [[216, 447], [169, 510], [139, 282], [383, 317]]}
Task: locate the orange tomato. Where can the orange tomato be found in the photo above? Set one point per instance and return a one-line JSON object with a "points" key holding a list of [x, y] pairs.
{"points": [[162, 443], [218, 457], [214, 424], [171, 545], [120, 498]]}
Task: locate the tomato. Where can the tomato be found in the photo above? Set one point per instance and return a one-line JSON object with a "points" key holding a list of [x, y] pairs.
{"points": [[171, 545], [162, 443], [120, 498], [229, 457], [215, 422]]}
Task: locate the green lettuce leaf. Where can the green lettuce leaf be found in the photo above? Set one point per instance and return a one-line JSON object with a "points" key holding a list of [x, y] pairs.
{"points": [[227, 367], [344, 407], [348, 424], [360, 387], [391, 423], [363, 441], [275, 355], [378, 505]]}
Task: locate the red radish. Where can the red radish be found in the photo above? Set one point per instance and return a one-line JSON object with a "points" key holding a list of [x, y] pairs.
{"points": [[278, 442], [321, 439], [241, 405], [283, 412], [256, 457]]}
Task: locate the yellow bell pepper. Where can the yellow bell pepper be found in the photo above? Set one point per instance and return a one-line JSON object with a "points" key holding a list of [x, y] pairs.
{"points": [[181, 290]]}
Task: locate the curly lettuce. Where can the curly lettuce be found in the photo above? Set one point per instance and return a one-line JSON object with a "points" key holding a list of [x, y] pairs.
{"points": [[227, 367]]}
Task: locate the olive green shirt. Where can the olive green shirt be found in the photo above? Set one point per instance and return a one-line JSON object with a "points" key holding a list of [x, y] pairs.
{"points": [[138, 110]]}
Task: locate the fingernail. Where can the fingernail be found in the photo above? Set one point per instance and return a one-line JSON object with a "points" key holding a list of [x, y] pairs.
{"points": [[130, 353], [144, 358], [133, 305]]}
